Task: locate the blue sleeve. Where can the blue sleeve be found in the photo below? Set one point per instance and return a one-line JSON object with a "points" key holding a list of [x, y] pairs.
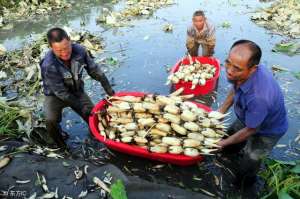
{"points": [[256, 113], [91, 66], [96, 73]]}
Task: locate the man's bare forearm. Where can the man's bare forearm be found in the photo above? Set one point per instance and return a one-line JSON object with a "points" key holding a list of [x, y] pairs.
{"points": [[227, 103], [238, 137]]}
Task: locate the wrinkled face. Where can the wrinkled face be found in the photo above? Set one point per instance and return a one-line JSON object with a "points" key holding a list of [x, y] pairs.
{"points": [[63, 49], [198, 22], [236, 64]]}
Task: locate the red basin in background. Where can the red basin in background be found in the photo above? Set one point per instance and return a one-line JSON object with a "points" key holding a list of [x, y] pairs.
{"points": [[200, 89]]}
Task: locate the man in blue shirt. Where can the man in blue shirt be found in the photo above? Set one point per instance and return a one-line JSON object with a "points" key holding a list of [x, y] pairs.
{"points": [[62, 71], [258, 104]]}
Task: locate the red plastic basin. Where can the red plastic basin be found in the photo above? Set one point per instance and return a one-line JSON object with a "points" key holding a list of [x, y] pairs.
{"points": [[134, 150], [200, 89]]}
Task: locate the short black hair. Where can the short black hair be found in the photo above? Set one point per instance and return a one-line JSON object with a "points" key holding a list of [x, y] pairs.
{"points": [[56, 35], [198, 13], [254, 48]]}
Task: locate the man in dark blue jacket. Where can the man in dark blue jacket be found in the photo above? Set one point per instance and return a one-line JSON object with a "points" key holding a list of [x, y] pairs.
{"points": [[62, 70]]}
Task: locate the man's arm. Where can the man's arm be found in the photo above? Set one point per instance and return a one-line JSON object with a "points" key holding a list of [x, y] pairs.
{"points": [[96, 73], [255, 115], [210, 40], [227, 103], [238, 137], [190, 39]]}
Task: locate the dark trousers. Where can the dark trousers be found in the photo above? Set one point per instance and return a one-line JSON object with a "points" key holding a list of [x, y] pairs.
{"points": [[245, 158], [53, 113]]}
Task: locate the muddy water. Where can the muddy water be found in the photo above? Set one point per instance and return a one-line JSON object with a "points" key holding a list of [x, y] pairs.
{"points": [[145, 52]]}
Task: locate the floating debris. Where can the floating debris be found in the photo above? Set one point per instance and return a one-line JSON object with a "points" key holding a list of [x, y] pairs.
{"points": [[48, 195], [33, 196], [133, 8], [197, 179], [3, 148], [217, 181], [226, 24], [23, 181], [65, 164], [207, 192], [67, 197], [281, 146], [297, 139], [282, 17], [146, 37], [168, 28], [4, 161], [101, 184], [93, 43], [277, 68], [85, 169], [25, 9], [44, 184], [3, 75], [107, 179], [112, 61], [288, 47], [2, 49], [54, 155], [159, 166]]}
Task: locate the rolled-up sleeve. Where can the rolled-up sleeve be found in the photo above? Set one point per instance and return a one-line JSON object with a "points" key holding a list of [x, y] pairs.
{"points": [[211, 36], [191, 32], [96, 73], [256, 112]]}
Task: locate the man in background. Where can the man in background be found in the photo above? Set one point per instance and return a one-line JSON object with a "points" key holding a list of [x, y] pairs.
{"points": [[202, 32]]}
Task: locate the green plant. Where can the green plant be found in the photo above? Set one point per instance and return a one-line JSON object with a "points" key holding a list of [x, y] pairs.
{"points": [[290, 48], [8, 119], [282, 179], [118, 190]]}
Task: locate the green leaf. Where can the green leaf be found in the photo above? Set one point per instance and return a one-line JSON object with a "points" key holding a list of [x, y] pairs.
{"points": [[111, 61], [117, 190], [226, 24], [296, 169], [293, 163], [290, 48], [284, 195]]}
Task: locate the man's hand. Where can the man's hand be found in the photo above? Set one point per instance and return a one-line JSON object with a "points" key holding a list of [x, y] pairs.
{"points": [[221, 143], [110, 92], [227, 103], [221, 110]]}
